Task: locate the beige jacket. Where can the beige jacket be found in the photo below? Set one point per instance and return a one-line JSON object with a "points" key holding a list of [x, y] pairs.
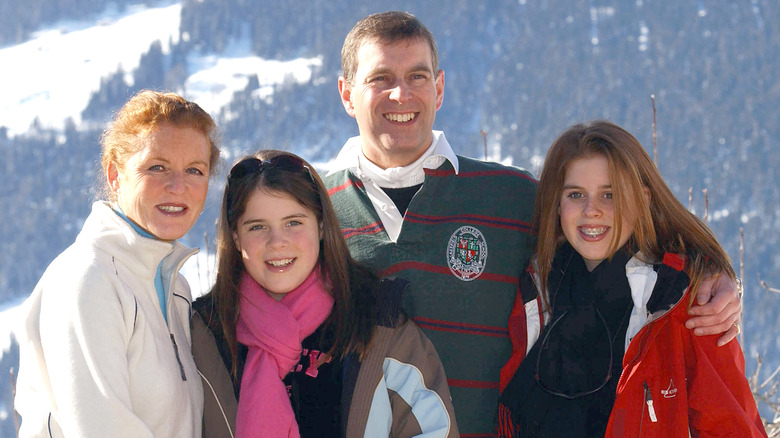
{"points": [[400, 391]]}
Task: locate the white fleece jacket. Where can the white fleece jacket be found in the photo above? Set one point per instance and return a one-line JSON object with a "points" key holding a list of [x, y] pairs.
{"points": [[96, 356]]}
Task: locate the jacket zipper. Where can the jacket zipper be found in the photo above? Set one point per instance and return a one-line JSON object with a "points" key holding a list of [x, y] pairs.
{"points": [[650, 409], [644, 331], [178, 359], [649, 402], [169, 301]]}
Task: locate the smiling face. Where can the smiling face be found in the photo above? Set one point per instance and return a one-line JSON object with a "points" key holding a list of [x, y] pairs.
{"points": [[587, 210], [279, 241], [163, 186], [394, 98]]}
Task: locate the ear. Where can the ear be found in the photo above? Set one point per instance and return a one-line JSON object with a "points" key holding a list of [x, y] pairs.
{"points": [[345, 91], [646, 191], [236, 242], [321, 233], [439, 89], [112, 176]]}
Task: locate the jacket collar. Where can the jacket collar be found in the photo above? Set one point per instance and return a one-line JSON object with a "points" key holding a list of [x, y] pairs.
{"points": [[107, 231], [655, 289]]}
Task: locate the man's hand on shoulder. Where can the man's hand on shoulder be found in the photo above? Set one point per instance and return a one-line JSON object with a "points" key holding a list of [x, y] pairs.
{"points": [[718, 309]]}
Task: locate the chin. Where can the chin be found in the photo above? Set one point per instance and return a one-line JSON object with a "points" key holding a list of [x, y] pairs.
{"points": [[173, 231], [170, 234]]}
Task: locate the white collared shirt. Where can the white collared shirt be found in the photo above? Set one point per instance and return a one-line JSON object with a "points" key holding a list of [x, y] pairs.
{"points": [[374, 178]]}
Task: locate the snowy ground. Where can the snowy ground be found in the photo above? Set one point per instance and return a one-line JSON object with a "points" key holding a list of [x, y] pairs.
{"points": [[55, 73], [200, 271]]}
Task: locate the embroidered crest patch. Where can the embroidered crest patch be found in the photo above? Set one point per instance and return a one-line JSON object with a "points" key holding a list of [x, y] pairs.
{"points": [[466, 253]]}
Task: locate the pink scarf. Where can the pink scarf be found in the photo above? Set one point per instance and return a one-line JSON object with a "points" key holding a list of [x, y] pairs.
{"points": [[273, 331]]}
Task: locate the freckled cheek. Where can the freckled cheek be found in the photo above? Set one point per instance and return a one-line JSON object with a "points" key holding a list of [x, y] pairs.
{"points": [[199, 183], [252, 255], [200, 189], [567, 212], [315, 248], [568, 219]]}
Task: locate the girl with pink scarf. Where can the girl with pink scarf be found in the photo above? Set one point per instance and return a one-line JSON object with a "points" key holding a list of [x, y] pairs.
{"points": [[297, 339]]}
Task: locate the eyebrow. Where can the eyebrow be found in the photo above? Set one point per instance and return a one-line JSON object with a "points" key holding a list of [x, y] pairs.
{"points": [[252, 221], [574, 186], [386, 69], [261, 220], [422, 67], [154, 157]]}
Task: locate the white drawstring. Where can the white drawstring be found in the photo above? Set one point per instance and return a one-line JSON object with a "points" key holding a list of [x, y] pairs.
{"points": [[224, 416]]}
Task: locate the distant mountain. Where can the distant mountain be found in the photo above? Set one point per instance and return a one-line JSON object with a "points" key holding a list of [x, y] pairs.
{"points": [[520, 71]]}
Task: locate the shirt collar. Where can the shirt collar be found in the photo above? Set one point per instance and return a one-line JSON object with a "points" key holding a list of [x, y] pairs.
{"points": [[351, 158]]}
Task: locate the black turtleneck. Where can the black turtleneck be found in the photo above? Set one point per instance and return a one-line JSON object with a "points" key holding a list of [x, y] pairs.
{"points": [[402, 197]]}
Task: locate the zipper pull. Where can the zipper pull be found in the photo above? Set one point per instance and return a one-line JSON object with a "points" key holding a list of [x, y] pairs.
{"points": [[176, 350], [649, 401]]}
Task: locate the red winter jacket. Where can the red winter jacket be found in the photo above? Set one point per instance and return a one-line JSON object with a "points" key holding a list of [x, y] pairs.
{"points": [[674, 384]]}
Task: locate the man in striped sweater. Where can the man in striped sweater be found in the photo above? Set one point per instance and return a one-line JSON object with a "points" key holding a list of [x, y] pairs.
{"points": [[457, 228]]}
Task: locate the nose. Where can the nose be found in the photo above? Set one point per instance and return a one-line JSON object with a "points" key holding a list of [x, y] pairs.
{"points": [[277, 239], [400, 93], [592, 207], [175, 183]]}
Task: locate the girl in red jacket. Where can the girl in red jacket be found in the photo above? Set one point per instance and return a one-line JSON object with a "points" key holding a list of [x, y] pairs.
{"points": [[619, 261]]}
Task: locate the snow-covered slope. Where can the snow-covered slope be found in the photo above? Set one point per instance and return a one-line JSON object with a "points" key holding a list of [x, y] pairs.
{"points": [[51, 77]]}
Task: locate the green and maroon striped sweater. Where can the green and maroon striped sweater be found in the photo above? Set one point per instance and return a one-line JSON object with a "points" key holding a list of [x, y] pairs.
{"points": [[464, 242]]}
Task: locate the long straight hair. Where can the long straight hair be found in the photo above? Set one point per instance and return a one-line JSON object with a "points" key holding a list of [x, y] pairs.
{"points": [[352, 318], [661, 223]]}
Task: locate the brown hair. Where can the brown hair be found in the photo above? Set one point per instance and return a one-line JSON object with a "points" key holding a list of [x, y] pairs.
{"points": [[387, 28], [661, 223], [352, 318], [143, 113]]}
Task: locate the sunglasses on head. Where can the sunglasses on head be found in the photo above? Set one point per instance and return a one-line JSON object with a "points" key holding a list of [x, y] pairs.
{"points": [[254, 166]]}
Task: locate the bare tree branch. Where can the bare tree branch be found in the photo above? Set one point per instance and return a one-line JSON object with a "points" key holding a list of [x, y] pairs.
{"points": [[655, 134], [766, 393], [741, 275], [484, 142], [690, 199], [706, 217], [770, 289], [13, 408]]}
